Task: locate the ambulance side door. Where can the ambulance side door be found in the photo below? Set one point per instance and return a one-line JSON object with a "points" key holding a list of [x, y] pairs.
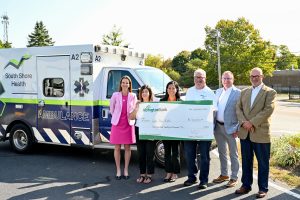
{"points": [[53, 124], [112, 77]]}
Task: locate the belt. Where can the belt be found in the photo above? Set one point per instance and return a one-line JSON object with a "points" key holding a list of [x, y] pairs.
{"points": [[221, 123]]}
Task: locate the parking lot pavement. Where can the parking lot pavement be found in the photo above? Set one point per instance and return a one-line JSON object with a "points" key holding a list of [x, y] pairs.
{"points": [[285, 118], [56, 172]]}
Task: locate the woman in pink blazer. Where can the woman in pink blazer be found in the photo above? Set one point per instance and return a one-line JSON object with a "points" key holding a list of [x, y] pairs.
{"points": [[122, 103]]}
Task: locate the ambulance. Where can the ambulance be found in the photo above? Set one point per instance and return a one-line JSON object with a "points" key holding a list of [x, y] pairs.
{"points": [[60, 94]]}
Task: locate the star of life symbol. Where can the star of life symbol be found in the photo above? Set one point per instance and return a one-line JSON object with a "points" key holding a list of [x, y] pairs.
{"points": [[81, 87]]}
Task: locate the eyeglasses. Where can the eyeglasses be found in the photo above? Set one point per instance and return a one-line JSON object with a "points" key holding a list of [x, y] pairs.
{"points": [[225, 78], [199, 77], [256, 76]]}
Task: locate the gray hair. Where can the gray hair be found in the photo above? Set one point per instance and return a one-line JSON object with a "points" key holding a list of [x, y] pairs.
{"points": [[258, 69], [200, 71]]}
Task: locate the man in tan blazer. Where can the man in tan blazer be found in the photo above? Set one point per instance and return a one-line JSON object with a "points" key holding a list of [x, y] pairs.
{"points": [[254, 110]]}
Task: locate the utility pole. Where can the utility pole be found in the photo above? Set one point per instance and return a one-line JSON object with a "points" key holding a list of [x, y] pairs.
{"points": [[218, 54], [5, 28]]}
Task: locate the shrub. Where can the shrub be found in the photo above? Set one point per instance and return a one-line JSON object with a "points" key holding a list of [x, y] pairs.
{"points": [[285, 151]]}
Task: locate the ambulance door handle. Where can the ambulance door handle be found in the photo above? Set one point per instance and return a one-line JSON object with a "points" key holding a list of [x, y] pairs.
{"points": [[105, 113], [66, 104]]}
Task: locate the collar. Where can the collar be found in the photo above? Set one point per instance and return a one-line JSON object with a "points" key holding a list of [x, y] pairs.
{"points": [[258, 87]]}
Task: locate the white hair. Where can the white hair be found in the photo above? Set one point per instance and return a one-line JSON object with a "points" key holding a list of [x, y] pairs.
{"points": [[200, 71], [257, 69]]}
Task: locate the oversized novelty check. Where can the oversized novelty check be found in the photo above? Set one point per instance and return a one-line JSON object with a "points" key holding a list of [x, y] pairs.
{"points": [[179, 120]]}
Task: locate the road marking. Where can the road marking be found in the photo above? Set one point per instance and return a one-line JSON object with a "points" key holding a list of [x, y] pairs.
{"points": [[285, 132], [87, 188], [215, 151]]}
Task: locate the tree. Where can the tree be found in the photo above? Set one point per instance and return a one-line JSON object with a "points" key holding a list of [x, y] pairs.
{"points": [[285, 59], [154, 61], [241, 49], [114, 38], [167, 65], [164, 65], [5, 45], [40, 36], [199, 53], [180, 60], [298, 61], [187, 79], [173, 75]]}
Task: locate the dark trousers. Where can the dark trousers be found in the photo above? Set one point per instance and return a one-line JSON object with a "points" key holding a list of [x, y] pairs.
{"points": [[172, 162], [145, 150], [190, 149], [262, 153]]}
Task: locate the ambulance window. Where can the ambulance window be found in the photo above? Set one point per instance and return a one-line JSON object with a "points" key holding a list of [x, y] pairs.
{"points": [[114, 77], [53, 87]]}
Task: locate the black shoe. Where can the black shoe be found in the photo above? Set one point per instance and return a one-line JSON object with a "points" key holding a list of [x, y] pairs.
{"points": [[167, 180], [202, 186], [118, 177], [126, 177], [189, 182]]}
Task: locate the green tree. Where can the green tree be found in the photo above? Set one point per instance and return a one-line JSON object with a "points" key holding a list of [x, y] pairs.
{"points": [[187, 79], [241, 49], [114, 38], [298, 61], [201, 54], [154, 61], [167, 65], [164, 65], [285, 59], [40, 36], [180, 60], [198, 59], [167, 68], [5, 45]]}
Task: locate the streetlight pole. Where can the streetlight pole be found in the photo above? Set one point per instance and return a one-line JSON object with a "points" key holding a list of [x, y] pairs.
{"points": [[219, 62]]}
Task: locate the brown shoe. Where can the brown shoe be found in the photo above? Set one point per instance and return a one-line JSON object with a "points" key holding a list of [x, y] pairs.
{"points": [[221, 179], [261, 194], [242, 190], [231, 183]]}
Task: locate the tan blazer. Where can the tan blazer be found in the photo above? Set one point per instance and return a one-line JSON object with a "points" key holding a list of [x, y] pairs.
{"points": [[259, 115]]}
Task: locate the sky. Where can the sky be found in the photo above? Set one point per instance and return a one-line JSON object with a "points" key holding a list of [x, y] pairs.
{"points": [[164, 27]]}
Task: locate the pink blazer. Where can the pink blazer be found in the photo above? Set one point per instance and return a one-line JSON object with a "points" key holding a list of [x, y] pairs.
{"points": [[116, 107]]}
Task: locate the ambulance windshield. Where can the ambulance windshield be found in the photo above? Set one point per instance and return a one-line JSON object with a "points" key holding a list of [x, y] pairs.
{"points": [[155, 78]]}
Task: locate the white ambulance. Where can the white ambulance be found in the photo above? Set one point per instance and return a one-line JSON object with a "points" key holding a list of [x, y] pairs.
{"points": [[60, 95]]}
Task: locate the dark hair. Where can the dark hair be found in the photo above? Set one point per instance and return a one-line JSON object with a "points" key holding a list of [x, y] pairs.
{"points": [[147, 87], [130, 83], [177, 95]]}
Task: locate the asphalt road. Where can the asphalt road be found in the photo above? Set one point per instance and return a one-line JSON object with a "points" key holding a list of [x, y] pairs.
{"points": [[286, 117], [57, 172]]}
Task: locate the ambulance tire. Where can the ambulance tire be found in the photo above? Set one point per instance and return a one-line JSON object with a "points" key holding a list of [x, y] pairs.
{"points": [[21, 139], [159, 153]]}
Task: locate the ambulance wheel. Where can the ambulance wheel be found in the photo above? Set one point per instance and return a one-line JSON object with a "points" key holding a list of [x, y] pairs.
{"points": [[159, 153], [20, 138]]}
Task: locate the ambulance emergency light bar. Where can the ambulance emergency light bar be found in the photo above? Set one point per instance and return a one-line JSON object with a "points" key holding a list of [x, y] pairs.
{"points": [[119, 51]]}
